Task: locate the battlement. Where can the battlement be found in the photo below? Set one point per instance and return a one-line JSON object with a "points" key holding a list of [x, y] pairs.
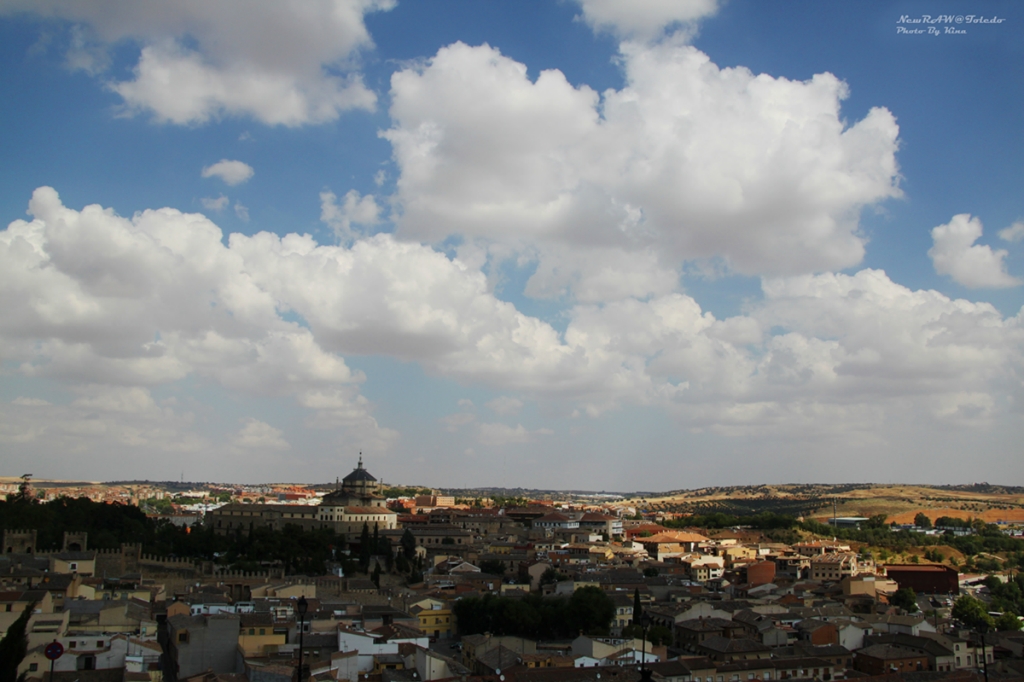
{"points": [[20, 541], [249, 575], [167, 562]]}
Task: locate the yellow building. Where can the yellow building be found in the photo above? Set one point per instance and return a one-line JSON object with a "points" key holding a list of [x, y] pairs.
{"points": [[436, 618], [256, 636]]}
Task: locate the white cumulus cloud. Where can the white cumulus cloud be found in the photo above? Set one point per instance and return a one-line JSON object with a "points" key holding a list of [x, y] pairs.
{"points": [[505, 405], [355, 209], [611, 192], [92, 298], [215, 204], [497, 434], [114, 307], [231, 172], [258, 435], [289, 63], [643, 18], [975, 266], [1013, 233]]}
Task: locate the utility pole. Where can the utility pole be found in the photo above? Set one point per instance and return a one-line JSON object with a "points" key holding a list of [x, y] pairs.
{"points": [[984, 658]]}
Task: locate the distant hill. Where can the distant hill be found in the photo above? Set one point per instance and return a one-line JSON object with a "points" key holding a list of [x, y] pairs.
{"points": [[900, 502]]}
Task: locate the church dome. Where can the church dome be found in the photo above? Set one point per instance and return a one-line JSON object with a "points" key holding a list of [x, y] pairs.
{"points": [[359, 474]]}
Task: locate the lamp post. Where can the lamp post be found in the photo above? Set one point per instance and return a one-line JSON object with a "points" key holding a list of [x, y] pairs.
{"points": [[984, 658], [645, 623], [302, 606]]}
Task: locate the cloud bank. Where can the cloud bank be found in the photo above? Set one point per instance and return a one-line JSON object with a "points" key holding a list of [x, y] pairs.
{"points": [[119, 307]]}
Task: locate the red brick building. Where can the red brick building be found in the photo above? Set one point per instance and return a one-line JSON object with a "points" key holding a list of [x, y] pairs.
{"points": [[925, 578], [760, 573]]}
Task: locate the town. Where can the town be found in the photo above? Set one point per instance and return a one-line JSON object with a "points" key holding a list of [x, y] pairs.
{"points": [[358, 581]]}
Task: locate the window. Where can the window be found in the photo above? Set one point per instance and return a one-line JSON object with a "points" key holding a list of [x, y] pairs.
{"points": [[72, 644], [32, 667], [252, 631], [99, 643], [183, 637]]}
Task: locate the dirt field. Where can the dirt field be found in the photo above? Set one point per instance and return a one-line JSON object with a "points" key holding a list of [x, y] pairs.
{"points": [[899, 502]]}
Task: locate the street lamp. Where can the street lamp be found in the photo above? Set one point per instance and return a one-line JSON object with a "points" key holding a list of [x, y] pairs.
{"points": [[984, 658], [302, 607], [645, 623]]}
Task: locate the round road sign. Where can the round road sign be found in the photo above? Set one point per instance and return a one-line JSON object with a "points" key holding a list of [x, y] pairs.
{"points": [[53, 650]]}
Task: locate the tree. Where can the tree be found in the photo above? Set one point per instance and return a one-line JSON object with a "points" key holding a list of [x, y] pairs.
{"points": [[1007, 622], [971, 612], [385, 549], [375, 577], [921, 520], [408, 543], [492, 566], [876, 522], [905, 598], [590, 611], [659, 634], [638, 608], [552, 576], [364, 548], [14, 646]]}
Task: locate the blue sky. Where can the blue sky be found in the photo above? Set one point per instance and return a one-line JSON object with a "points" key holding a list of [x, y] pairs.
{"points": [[578, 244]]}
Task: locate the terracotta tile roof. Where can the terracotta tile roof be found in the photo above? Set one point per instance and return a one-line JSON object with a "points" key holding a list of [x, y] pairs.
{"points": [[673, 536]]}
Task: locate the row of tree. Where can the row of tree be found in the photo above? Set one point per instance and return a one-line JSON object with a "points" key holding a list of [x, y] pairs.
{"points": [[589, 610]]}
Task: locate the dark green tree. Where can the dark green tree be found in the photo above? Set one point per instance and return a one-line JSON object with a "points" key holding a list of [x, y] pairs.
{"points": [[14, 646], [590, 611], [1007, 622], [638, 607], [551, 576], [971, 612], [921, 520], [385, 549], [656, 634], [364, 548], [375, 576], [408, 543], [492, 566], [876, 522], [905, 598]]}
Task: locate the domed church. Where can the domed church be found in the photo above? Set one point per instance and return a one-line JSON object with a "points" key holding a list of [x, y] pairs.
{"points": [[356, 501], [358, 489]]}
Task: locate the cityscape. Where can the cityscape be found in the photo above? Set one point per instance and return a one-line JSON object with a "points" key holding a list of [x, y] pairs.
{"points": [[169, 581]]}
